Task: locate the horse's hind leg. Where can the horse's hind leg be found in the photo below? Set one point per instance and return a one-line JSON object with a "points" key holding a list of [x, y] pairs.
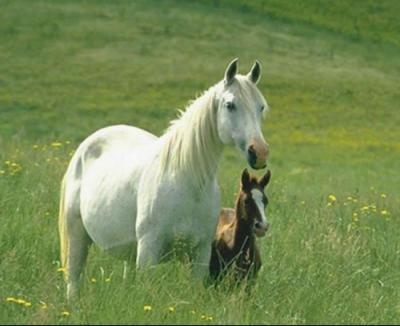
{"points": [[74, 239], [78, 247]]}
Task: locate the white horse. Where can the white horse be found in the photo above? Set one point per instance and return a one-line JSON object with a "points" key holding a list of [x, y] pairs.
{"points": [[132, 193]]}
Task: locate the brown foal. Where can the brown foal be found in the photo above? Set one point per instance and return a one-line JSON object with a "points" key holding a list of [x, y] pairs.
{"points": [[234, 246]]}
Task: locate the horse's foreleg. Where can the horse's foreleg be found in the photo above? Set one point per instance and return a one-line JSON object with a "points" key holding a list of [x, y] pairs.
{"points": [[78, 247], [201, 261], [148, 251]]}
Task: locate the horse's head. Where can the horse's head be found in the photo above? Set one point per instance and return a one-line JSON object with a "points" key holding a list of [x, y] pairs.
{"points": [[254, 201], [240, 109]]}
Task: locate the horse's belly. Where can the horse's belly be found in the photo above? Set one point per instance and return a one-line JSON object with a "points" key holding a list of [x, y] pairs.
{"points": [[108, 192], [108, 209]]}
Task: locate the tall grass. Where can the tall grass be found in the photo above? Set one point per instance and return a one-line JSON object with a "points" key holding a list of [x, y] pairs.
{"points": [[332, 254]]}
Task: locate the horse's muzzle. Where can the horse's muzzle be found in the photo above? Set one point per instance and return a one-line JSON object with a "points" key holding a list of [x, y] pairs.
{"points": [[257, 155]]}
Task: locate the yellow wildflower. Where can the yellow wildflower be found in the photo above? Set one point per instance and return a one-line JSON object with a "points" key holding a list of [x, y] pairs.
{"points": [[207, 318], [384, 212], [56, 144], [332, 198], [19, 301], [65, 313], [108, 279], [355, 217], [93, 280], [11, 299], [383, 195], [147, 308], [61, 270], [171, 309]]}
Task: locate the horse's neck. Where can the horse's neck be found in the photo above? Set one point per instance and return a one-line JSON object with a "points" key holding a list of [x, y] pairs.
{"points": [[243, 233], [193, 147]]}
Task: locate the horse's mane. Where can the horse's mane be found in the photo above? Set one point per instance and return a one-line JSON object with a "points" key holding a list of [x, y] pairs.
{"points": [[191, 140]]}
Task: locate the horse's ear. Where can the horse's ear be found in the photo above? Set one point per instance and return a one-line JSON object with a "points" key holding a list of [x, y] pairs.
{"points": [[231, 71], [255, 72], [265, 179], [245, 180]]}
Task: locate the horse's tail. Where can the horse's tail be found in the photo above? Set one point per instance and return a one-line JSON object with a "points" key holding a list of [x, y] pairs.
{"points": [[61, 227]]}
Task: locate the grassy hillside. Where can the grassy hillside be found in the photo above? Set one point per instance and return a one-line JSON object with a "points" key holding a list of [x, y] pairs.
{"points": [[330, 75], [357, 20]]}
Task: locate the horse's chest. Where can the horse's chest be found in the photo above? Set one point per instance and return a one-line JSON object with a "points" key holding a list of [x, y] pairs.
{"points": [[191, 215], [177, 211]]}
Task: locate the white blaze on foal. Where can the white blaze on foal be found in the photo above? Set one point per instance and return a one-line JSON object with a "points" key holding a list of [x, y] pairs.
{"points": [[260, 227]]}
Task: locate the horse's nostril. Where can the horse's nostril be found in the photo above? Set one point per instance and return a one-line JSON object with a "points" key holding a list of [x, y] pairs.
{"points": [[252, 155], [251, 150]]}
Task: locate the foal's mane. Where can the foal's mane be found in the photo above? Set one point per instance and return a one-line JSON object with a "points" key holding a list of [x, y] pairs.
{"points": [[191, 142]]}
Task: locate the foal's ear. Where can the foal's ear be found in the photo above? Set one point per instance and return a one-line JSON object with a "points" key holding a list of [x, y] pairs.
{"points": [[265, 179], [245, 180], [231, 71], [255, 72]]}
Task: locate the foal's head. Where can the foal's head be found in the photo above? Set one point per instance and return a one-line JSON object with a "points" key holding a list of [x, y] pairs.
{"points": [[253, 202]]}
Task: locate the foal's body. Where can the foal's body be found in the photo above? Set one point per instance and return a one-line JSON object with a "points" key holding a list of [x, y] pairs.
{"points": [[235, 245]]}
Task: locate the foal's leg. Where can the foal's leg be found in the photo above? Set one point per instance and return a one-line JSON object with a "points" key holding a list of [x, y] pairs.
{"points": [[78, 247]]}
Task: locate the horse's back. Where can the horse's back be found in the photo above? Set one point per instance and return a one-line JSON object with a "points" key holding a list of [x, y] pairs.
{"points": [[103, 174], [114, 138]]}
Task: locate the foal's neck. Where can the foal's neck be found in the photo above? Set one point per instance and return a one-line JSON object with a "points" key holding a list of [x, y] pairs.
{"points": [[243, 229]]}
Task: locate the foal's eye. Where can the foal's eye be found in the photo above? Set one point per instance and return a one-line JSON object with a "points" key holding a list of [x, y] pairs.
{"points": [[230, 106], [262, 108]]}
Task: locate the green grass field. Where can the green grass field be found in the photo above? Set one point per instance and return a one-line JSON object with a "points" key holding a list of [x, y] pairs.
{"points": [[331, 77]]}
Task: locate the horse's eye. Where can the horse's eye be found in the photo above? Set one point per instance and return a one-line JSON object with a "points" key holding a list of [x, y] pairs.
{"points": [[230, 106], [262, 108]]}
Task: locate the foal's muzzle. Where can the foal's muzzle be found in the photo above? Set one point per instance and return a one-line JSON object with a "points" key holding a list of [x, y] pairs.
{"points": [[260, 228]]}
